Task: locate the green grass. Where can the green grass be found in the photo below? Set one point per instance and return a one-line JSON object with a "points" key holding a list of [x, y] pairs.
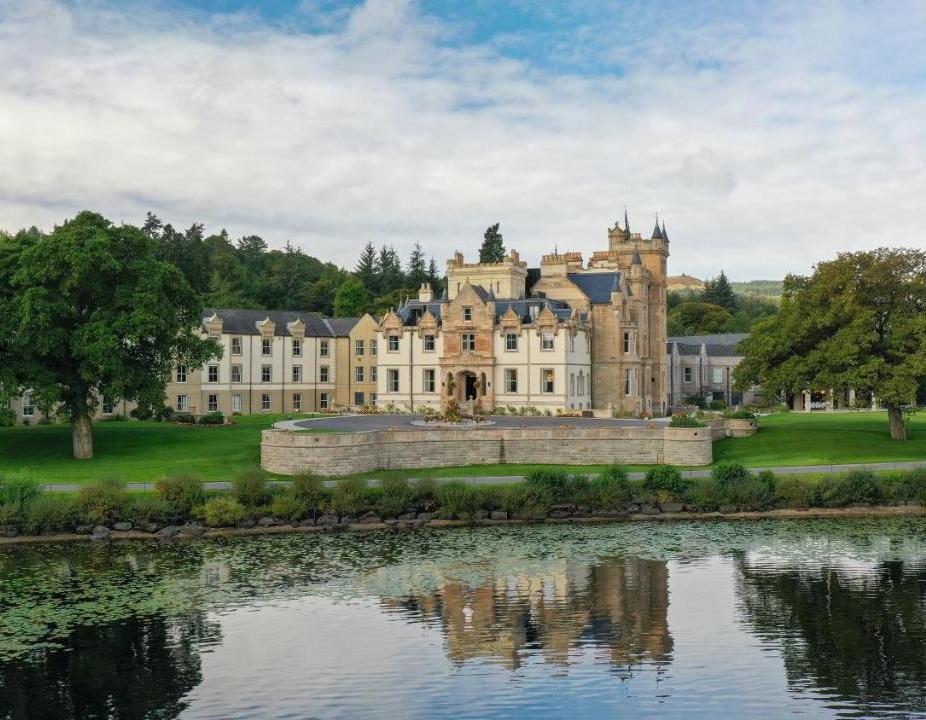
{"points": [[144, 451], [825, 438], [134, 451]]}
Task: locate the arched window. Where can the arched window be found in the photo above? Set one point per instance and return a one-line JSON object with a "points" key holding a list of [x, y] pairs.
{"points": [[572, 383]]}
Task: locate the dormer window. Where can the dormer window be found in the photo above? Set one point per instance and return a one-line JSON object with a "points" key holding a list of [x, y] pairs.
{"points": [[467, 314]]}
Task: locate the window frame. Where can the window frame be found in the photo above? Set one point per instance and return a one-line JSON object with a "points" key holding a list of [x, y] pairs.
{"points": [[236, 345], [183, 402], [468, 342], [266, 373], [266, 347], [687, 375], [324, 349], [548, 385], [544, 336], [324, 373], [511, 381], [392, 340], [182, 370], [467, 313], [236, 373], [429, 380], [297, 402], [429, 340], [392, 380], [296, 347], [212, 402], [296, 374], [509, 345], [211, 370], [359, 349], [266, 402], [359, 374]]}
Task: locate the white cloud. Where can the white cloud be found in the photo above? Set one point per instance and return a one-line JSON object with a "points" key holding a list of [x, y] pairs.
{"points": [[766, 147]]}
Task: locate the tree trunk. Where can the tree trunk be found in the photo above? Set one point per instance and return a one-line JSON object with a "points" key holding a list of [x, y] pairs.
{"points": [[82, 436], [898, 431]]}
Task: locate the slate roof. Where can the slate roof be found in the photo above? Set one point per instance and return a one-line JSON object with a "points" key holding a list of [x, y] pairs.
{"points": [[411, 312], [341, 327], [724, 345], [597, 286], [236, 321]]}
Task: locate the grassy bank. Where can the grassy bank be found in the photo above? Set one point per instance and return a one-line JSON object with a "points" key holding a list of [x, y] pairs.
{"points": [[181, 499], [145, 451]]}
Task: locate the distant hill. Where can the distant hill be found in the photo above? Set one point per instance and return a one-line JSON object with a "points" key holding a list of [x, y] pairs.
{"points": [[684, 283], [758, 288]]}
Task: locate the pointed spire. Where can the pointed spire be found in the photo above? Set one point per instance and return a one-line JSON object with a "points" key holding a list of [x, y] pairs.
{"points": [[657, 233], [626, 223], [665, 235]]}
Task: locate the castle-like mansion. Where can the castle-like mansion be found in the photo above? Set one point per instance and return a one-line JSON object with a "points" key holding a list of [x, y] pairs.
{"points": [[566, 336]]}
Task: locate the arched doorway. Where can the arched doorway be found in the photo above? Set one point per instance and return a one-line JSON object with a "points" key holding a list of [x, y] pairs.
{"points": [[467, 387]]}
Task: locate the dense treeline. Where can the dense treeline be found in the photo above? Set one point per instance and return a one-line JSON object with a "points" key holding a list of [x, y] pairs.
{"points": [[716, 309]]}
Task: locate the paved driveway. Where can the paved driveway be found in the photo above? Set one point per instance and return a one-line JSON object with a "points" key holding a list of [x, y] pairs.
{"points": [[366, 423]]}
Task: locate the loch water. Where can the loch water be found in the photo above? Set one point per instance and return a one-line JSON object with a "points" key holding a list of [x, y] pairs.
{"points": [[738, 619]]}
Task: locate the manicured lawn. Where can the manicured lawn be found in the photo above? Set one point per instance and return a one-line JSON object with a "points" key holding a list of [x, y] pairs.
{"points": [[825, 438], [134, 451], [145, 451]]}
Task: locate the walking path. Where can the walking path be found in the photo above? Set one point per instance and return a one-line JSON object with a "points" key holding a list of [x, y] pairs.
{"points": [[504, 479]]}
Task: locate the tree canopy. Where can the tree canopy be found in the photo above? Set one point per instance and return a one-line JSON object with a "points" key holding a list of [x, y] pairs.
{"points": [[351, 299], [718, 292], [90, 313], [493, 249], [857, 322], [697, 318]]}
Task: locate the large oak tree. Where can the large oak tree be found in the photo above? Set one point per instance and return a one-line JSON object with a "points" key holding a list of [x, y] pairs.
{"points": [[858, 322], [88, 312]]}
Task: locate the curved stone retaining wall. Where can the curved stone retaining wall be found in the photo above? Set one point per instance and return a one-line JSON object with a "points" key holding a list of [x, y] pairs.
{"points": [[344, 454]]}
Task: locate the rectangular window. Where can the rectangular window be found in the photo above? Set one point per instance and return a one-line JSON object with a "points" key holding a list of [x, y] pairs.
{"points": [[358, 399], [374, 374], [181, 373], [546, 341], [628, 381], [546, 380], [266, 373], [686, 375], [236, 403], [323, 348], [323, 401], [469, 342], [430, 380], [236, 346], [392, 380], [109, 407], [374, 348], [627, 343], [393, 343], [373, 397], [358, 348], [511, 341], [213, 403], [266, 347], [323, 373], [467, 314], [358, 373], [297, 402], [297, 373], [236, 373], [511, 380], [183, 403], [213, 373], [297, 347], [717, 376], [429, 343], [265, 402]]}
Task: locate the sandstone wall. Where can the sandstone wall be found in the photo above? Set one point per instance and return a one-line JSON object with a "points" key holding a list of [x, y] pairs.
{"points": [[343, 454]]}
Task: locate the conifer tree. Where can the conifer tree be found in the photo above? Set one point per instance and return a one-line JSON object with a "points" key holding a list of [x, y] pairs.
{"points": [[493, 249], [366, 270], [719, 292], [417, 271]]}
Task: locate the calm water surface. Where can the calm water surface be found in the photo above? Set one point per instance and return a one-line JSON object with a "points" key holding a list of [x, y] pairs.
{"points": [[772, 619]]}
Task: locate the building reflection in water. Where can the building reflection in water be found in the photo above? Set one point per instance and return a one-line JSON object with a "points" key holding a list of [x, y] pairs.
{"points": [[854, 632], [619, 608]]}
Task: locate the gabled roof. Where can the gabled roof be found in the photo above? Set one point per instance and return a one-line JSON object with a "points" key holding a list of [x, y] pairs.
{"points": [[237, 321], [723, 345], [523, 308], [597, 286], [341, 327]]}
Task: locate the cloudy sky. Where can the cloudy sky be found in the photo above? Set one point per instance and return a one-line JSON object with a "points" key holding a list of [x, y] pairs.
{"points": [[768, 135]]}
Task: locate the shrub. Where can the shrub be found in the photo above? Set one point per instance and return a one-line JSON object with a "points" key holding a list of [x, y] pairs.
{"points": [[396, 496], [310, 488], [741, 414], [913, 483], [223, 512], [798, 492], [183, 418], [666, 479], [18, 491], [7, 416], [104, 501], [349, 496], [212, 418], [50, 513], [457, 499], [180, 492], [610, 489], [250, 487], [153, 509], [716, 405], [685, 421], [289, 506], [556, 484], [11, 514], [426, 493], [853, 488], [728, 475], [703, 494]]}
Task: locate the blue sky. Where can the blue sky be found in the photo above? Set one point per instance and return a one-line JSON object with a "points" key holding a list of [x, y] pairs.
{"points": [[768, 135]]}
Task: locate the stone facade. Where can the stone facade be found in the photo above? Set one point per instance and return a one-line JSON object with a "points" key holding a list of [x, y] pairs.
{"points": [[344, 454], [701, 366], [566, 337]]}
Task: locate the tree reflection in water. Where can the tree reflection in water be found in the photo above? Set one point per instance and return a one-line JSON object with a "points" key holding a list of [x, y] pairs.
{"points": [[856, 635]]}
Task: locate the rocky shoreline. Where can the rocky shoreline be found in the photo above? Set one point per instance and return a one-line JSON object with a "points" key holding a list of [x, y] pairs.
{"points": [[273, 526]]}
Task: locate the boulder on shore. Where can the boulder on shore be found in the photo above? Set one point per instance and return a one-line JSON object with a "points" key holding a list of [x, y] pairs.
{"points": [[122, 526], [101, 532]]}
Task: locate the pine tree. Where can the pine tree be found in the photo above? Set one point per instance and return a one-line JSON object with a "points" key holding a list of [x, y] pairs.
{"points": [[152, 226], [389, 269], [492, 250], [366, 270], [417, 271], [719, 292], [434, 278]]}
